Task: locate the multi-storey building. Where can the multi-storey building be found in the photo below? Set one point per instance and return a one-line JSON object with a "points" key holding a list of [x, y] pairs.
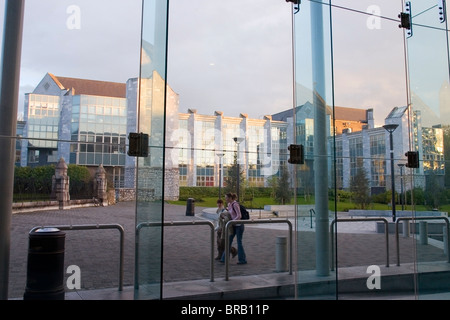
{"points": [[86, 122]]}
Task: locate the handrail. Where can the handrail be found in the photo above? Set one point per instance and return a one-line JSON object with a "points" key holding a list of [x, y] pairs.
{"points": [[386, 232], [252, 221], [419, 218], [311, 212], [92, 227], [172, 223]]}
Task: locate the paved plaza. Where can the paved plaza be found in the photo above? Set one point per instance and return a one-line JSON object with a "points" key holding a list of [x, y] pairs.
{"points": [[187, 248]]}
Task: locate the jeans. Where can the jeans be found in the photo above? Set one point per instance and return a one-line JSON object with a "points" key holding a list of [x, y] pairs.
{"points": [[238, 232]]}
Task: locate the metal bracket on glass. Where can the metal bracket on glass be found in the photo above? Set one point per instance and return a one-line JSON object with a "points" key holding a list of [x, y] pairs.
{"points": [[406, 19], [413, 159], [138, 144], [442, 11], [296, 4], [296, 154]]}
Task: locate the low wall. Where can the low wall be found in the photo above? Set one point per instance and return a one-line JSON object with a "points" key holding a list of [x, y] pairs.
{"points": [[18, 207], [303, 209], [388, 213], [434, 227]]}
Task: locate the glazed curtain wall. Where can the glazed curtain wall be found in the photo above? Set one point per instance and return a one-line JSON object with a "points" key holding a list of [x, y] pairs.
{"points": [[355, 55]]}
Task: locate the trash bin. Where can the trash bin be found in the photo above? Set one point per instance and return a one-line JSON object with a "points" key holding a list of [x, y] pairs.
{"points": [[45, 267], [190, 207]]}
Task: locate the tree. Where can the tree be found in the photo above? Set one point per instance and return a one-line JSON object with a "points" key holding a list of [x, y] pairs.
{"points": [[230, 181], [435, 194], [272, 183], [359, 186], [446, 130], [283, 193]]}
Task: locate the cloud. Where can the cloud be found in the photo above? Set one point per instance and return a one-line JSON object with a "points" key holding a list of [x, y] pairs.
{"points": [[249, 43]]}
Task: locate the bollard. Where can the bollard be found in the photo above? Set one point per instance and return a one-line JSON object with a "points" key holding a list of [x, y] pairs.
{"points": [[445, 239], [281, 261], [423, 232], [405, 225], [190, 207], [45, 267]]}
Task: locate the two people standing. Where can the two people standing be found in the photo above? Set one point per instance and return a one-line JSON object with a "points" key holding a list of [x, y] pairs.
{"points": [[238, 229], [224, 217]]}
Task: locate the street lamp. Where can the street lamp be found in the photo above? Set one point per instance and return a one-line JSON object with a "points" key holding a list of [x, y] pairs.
{"points": [[402, 198], [391, 128], [220, 155], [238, 141]]}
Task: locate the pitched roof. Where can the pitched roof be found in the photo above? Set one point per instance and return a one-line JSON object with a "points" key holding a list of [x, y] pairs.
{"points": [[91, 87]]}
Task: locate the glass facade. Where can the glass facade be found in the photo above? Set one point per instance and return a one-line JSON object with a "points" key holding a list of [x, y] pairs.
{"points": [[348, 199], [100, 122], [42, 123]]}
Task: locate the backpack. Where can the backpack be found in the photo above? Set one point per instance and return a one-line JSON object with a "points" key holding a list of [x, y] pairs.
{"points": [[244, 213]]}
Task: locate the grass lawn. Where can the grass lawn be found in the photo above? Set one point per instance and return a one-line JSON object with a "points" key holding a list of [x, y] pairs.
{"points": [[258, 203]]}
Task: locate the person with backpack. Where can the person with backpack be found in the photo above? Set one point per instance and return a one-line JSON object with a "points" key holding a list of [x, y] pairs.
{"points": [[224, 217], [234, 209]]}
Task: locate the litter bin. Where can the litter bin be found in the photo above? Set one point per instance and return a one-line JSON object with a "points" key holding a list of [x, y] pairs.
{"points": [[45, 267], [190, 207]]}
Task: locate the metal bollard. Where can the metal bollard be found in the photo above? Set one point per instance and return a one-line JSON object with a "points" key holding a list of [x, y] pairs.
{"points": [[423, 232], [45, 268], [281, 261], [445, 239], [190, 207], [405, 225]]}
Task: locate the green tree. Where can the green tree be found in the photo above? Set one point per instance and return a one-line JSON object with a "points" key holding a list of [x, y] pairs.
{"points": [[435, 194], [446, 130], [231, 180], [359, 186], [283, 193], [272, 183]]}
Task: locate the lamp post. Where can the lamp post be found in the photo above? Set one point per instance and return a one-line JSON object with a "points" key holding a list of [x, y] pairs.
{"points": [[402, 199], [391, 128], [237, 140], [220, 155]]}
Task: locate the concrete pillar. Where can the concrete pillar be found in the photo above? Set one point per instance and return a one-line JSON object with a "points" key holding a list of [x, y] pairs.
{"points": [[9, 95], [320, 141]]}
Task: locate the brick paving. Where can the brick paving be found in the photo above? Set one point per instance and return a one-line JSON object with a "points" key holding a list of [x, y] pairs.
{"points": [[186, 249]]}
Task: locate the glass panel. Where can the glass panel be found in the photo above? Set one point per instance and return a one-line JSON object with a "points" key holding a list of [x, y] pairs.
{"points": [[370, 92], [429, 94], [234, 140], [150, 170], [71, 66], [312, 115]]}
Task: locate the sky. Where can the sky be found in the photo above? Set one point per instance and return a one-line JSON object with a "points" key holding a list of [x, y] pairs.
{"points": [[233, 56]]}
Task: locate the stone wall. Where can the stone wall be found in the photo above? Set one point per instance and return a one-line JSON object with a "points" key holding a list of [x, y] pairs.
{"points": [[150, 186]]}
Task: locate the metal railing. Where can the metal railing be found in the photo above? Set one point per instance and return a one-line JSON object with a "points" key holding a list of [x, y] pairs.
{"points": [[96, 227], [227, 243], [386, 232], [172, 223], [420, 218], [311, 212]]}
